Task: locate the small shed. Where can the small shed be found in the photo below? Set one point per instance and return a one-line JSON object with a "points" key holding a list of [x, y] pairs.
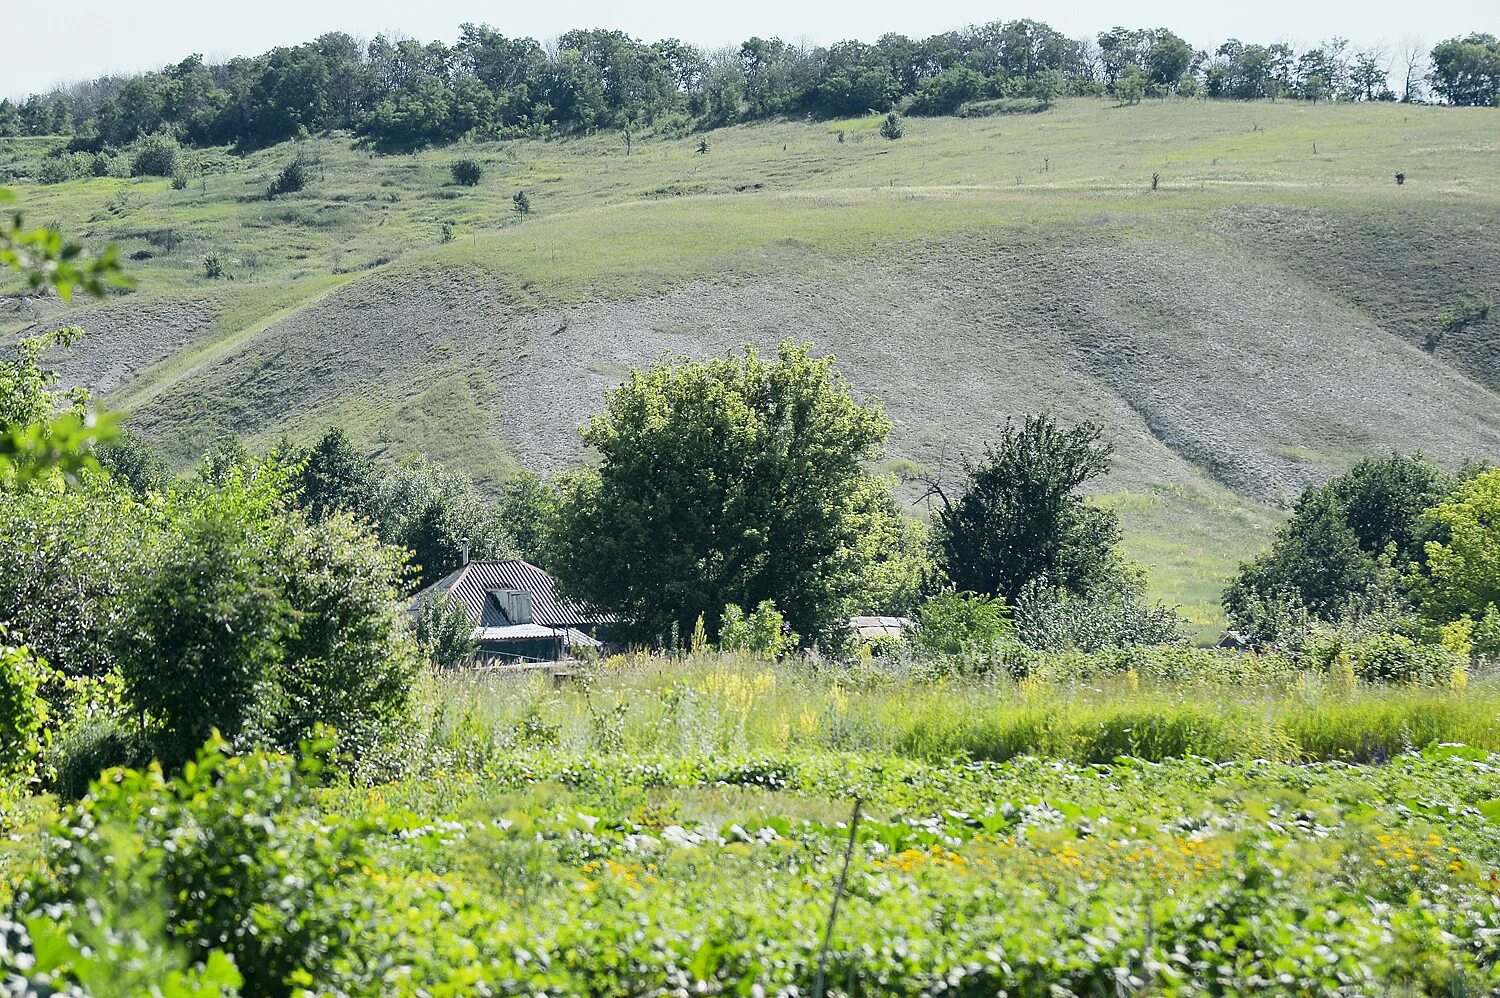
{"points": [[516, 611]]}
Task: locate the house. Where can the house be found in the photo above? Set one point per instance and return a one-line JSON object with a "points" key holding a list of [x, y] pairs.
{"points": [[516, 611]]}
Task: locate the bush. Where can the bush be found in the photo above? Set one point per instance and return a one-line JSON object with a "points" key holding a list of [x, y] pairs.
{"points": [[763, 632], [1112, 613], [291, 179], [213, 267], [248, 620], [467, 172], [961, 623], [56, 170], [892, 128], [230, 853], [1396, 658], [155, 156]]}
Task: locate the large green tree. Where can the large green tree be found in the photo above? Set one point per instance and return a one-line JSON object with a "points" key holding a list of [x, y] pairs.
{"points": [[1343, 538], [1021, 515], [733, 480]]}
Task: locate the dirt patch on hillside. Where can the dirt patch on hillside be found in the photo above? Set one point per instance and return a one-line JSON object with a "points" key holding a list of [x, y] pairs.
{"points": [[125, 337]]}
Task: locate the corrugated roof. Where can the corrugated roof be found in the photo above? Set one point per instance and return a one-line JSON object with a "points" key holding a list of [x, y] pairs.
{"points": [[571, 637], [474, 582], [879, 627]]}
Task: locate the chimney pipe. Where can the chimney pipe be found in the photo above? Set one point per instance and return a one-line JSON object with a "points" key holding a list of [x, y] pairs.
{"points": [[464, 547]]}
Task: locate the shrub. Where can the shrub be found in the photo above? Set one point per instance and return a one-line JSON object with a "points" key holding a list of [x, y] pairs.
{"points": [[762, 632], [521, 203], [892, 128], [155, 156], [213, 267], [960, 623], [100, 164], [179, 182], [1396, 658], [1112, 613], [230, 853], [291, 179], [467, 172], [56, 170], [248, 620]]}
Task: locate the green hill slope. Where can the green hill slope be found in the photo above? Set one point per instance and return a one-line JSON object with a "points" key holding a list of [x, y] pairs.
{"points": [[1269, 313]]}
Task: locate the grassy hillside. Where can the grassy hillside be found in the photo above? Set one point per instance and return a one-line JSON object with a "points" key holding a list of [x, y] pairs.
{"points": [[1266, 315]]}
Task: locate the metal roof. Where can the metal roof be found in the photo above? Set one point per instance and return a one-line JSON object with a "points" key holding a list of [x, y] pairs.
{"points": [[474, 582], [571, 637], [879, 627]]}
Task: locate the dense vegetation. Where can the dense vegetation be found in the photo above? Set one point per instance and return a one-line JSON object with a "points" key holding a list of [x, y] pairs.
{"points": [[401, 93]]}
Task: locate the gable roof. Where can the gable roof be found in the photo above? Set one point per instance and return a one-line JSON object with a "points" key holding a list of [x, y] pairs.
{"points": [[473, 583]]}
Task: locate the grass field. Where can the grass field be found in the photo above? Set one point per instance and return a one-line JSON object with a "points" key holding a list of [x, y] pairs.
{"points": [[1266, 315]]}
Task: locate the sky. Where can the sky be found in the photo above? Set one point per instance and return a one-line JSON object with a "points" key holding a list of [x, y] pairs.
{"points": [[43, 42]]}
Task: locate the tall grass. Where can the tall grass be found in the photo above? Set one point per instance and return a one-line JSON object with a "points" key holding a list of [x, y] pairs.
{"points": [[738, 706]]}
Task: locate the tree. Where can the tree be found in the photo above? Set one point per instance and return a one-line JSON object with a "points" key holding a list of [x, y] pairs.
{"points": [[891, 127], [1343, 538], [525, 505], [1020, 516], [1412, 65], [1131, 86], [1461, 576], [204, 621], [733, 480], [521, 203], [1467, 70], [334, 477], [244, 617]]}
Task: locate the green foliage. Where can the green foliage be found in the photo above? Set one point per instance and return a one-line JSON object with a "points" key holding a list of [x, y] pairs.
{"points": [[228, 853], [423, 507], [734, 480], [1466, 70], [947, 91], [962, 624], [155, 156], [1396, 658], [891, 127], [1462, 572], [205, 622], [213, 267], [23, 713], [1113, 612], [1021, 517], [526, 505], [66, 561], [334, 477], [444, 633], [762, 632], [133, 462], [1131, 85], [291, 179], [521, 204], [467, 172], [1343, 539], [244, 618]]}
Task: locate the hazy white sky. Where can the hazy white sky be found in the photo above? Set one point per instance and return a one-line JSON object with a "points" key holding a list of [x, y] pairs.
{"points": [[47, 41]]}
